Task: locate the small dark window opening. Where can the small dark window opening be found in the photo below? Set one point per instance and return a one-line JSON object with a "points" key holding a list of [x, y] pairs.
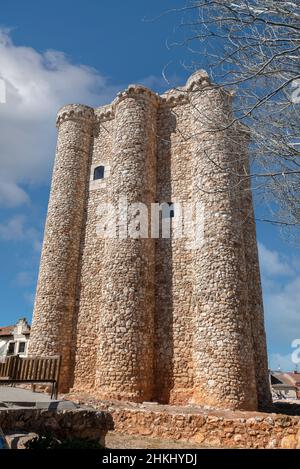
{"points": [[11, 348], [172, 213], [99, 172], [168, 213], [21, 347]]}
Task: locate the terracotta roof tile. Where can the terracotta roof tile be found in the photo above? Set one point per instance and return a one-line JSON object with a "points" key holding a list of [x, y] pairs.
{"points": [[7, 330]]}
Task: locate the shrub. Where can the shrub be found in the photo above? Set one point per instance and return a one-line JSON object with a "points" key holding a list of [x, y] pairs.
{"points": [[49, 441]]}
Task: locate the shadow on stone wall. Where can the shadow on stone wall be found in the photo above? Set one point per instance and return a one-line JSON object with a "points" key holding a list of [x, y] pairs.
{"points": [[164, 343], [78, 423]]}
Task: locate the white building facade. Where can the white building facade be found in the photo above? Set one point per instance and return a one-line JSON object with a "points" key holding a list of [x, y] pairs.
{"points": [[14, 339]]}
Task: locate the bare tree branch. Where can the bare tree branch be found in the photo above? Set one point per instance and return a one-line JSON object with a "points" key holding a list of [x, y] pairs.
{"points": [[253, 48]]}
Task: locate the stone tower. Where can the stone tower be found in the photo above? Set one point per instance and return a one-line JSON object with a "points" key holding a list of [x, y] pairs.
{"points": [[151, 317]]}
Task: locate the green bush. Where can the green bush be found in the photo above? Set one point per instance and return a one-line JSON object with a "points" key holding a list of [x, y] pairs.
{"points": [[49, 441]]}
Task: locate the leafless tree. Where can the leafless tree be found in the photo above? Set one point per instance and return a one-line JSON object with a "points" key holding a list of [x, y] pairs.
{"points": [[252, 47]]}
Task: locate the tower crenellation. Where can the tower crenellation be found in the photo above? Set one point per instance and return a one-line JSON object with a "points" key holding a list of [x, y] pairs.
{"points": [[138, 314], [74, 112]]}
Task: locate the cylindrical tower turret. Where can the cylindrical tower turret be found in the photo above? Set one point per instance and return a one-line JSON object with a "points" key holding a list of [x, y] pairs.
{"points": [[255, 304], [223, 354], [126, 332], [52, 327]]}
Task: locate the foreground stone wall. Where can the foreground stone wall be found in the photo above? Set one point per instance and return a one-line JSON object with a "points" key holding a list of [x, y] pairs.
{"points": [[63, 424], [148, 318], [203, 426]]}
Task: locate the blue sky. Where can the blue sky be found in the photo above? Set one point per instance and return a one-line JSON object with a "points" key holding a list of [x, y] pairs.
{"points": [[53, 53]]}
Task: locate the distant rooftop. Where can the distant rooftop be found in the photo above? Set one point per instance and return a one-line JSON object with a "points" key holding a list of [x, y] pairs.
{"points": [[9, 330]]}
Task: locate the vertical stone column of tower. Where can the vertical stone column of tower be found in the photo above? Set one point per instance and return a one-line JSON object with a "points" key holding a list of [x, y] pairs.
{"points": [[255, 304], [52, 327], [126, 331], [223, 354], [174, 261], [91, 256]]}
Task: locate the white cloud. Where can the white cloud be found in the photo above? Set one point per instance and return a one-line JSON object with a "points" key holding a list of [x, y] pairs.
{"points": [[281, 289], [17, 229], [37, 85], [283, 362], [272, 263], [25, 278], [29, 298], [11, 194], [13, 229], [282, 307]]}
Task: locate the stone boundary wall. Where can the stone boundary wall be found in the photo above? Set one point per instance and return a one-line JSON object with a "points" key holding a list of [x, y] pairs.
{"points": [[185, 423], [64, 424], [214, 428], [265, 431]]}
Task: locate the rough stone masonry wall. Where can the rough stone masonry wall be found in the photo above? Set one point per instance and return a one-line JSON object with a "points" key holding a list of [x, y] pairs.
{"points": [[92, 274], [203, 427], [63, 424], [174, 266], [147, 318], [223, 352], [55, 301], [244, 431], [254, 303], [125, 356]]}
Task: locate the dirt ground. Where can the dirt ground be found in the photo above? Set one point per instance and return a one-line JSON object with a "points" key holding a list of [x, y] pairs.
{"points": [[119, 441], [113, 441]]}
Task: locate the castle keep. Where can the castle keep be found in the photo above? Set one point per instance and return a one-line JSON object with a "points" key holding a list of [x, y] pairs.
{"points": [[147, 318]]}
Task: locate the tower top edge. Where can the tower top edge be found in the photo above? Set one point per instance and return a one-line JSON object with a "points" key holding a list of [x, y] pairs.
{"points": [[172, 97], [75, 112], [199, 80]]}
